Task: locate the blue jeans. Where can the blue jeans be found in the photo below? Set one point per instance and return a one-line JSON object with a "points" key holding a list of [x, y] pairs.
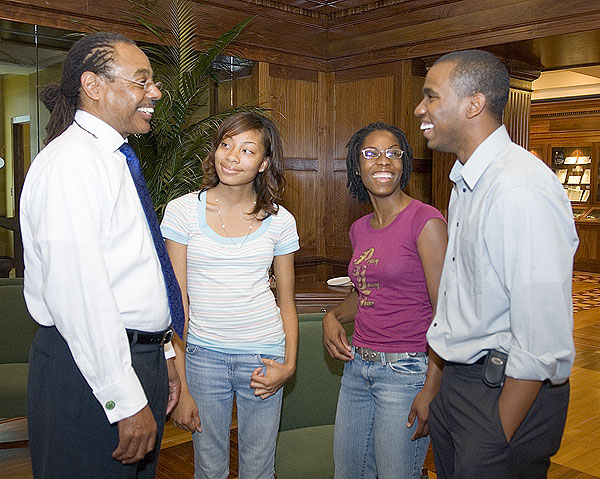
{"points": [[213, 378], [371, 438]]}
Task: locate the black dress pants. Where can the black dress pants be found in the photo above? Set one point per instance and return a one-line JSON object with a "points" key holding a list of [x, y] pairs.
{"points": [[69, 434], [467, 436]]}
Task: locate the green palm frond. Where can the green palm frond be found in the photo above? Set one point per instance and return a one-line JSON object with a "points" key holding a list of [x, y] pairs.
{"points": [[180, 138]]}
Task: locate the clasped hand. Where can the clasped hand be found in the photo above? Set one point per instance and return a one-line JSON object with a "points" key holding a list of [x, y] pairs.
{"points": [[267, 384]]}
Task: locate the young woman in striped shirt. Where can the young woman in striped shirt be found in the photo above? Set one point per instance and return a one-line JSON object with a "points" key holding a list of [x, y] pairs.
{"points": [[239, 342]]}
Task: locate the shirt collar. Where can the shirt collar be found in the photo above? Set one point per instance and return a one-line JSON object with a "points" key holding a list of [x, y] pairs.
{"points": [[481, 158], [109, 138]]}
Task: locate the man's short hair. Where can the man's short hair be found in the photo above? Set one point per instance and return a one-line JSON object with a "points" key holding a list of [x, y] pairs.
{"points": [[477, 71]]}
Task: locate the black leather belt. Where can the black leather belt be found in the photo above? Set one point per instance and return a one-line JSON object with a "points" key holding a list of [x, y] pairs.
{"points": [[142, 337]]}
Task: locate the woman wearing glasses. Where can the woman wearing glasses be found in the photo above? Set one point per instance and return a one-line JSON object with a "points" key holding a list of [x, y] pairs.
{"points": [[389, 378]]}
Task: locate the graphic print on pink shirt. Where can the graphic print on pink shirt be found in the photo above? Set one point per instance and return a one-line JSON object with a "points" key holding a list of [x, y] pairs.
{"points": [[359, 273]]}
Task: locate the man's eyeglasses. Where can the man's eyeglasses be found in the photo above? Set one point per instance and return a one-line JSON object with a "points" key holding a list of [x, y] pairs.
{"points": [[146, 85], [390, 153]]}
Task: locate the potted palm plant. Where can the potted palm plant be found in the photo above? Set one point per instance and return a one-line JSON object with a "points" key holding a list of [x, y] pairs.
{"points": [[180, 137]]}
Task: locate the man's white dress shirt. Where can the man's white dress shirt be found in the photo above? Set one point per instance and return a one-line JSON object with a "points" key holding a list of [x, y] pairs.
{"points": [[91, 267], [507, 277]]}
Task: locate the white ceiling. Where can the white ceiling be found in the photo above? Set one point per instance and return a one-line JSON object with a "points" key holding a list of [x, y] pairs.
{"points": [[567, 83]]}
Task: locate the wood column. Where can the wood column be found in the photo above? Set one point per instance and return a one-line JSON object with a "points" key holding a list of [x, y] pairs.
{"points": [[518, 109]]}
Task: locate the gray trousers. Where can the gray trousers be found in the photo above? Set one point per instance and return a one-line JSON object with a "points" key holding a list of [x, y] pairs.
{"points": [[69, 434], [467, 436]]}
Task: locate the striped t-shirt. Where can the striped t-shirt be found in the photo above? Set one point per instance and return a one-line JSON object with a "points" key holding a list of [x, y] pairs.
{"points": [[232, 308]]}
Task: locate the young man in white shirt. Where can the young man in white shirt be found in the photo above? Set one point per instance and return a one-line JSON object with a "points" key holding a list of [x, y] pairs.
{"points": [[505, 291]]}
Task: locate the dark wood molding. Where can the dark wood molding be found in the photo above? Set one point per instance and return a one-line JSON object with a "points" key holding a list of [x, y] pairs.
{"points": [[339, 164], [340, 10], [565, 107], [293, 73], [363, 72], [310, 260], [352, 34], [301, 164]]}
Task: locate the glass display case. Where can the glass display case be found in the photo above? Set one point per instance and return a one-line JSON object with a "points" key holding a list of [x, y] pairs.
{"points": [[591, 214], [578, 211], [573, 166], [565, 134]]}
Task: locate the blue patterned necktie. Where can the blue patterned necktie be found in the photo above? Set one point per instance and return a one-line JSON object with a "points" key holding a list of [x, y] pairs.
{"points": [[173, 291]]}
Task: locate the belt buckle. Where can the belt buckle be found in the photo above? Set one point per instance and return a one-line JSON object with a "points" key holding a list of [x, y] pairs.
{"points": [[167, 336], [369, 355]]}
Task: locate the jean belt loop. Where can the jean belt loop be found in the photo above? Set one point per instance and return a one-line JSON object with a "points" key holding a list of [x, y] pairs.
{"points": [[383, 361], [134, 339]]}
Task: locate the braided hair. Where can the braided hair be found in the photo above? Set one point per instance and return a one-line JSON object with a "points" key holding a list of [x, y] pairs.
{"points": [[93, 53], [355, 185]]}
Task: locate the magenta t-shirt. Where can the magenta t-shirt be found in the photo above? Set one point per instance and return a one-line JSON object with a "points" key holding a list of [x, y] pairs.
{"points": [[394, 311]]}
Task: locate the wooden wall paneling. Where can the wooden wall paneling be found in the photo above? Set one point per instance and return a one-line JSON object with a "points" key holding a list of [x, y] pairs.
{"points": [[552, 108], [326, 200], [574, 123], [441, 186], [301, 192], [295, 103], [356, 104], [407, 94], [588, 252], [264, 85]]}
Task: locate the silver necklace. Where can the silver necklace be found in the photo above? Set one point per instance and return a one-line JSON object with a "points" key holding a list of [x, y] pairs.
{"points": [[225, 230]]}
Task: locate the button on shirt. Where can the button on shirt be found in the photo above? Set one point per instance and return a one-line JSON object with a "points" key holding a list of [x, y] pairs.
{"points": [[91, 265], [507, 276]]}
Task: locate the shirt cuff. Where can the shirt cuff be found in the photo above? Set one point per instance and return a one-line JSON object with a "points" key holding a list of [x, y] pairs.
{"points": [[122, 399], [169, 350], [288, 248], [174, 235], [524, 365]]}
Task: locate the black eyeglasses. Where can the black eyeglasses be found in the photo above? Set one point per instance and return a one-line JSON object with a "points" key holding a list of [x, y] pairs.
{"points": [[390, 153], [146, 85]]}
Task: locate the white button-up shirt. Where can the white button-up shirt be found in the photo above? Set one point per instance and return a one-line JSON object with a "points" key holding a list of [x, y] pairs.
{"points": [[507, 276], [91, 266]]}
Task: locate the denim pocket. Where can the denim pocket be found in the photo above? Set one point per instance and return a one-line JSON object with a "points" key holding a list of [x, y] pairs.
{"points": [[191, 349], [416, 365], [260, 357]]}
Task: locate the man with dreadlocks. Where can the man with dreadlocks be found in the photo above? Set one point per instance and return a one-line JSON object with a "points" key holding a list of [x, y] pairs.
{"points": [[99, 381]]}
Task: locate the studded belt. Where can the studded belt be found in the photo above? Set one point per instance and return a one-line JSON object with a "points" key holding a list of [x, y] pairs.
{"points": [[367, 354]]}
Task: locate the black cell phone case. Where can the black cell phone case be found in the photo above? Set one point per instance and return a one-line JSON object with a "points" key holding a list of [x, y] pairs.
{"points": [[493, 368]]}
